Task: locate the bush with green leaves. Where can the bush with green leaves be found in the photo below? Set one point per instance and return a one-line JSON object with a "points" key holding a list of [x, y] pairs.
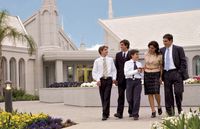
{"points": [[189, 120], [20, 95]]}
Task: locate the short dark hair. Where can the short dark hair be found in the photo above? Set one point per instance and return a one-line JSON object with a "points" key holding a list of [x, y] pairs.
{"points": [[155, 45], [133, 51], [168, 36], [101, 48], [125, 42]]}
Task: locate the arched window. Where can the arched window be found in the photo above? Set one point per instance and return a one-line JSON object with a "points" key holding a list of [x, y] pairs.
{"points": [[13, 72], [4, 69], [22, 74], [196, 65]]}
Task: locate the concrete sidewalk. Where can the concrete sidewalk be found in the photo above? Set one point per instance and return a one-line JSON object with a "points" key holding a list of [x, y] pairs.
{"points": [[89, 117]]}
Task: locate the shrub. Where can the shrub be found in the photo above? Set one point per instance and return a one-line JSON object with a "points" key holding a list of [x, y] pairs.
{"points": [[189, 120], [20, 95]]}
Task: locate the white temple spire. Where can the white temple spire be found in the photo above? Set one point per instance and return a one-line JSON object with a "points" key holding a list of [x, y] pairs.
{"points": [[110, 10], [62, 22], [47, 4]]}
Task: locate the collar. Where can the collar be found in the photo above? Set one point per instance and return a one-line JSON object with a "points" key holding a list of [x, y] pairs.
{"points": [[125, 52], [101, 57], [134, 61], [170, 48]]}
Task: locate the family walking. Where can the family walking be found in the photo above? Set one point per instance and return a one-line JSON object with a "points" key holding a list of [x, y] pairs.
{"points": [[166, 65]]}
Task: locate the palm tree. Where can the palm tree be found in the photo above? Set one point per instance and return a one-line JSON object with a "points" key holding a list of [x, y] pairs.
{"points": [[10, 32]]}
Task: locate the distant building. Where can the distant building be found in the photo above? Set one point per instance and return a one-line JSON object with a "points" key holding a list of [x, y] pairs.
{"points": [[140, 30], [57, 59]]}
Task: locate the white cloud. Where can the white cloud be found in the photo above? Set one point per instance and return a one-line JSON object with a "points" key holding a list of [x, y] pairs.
{"points": [[95, 47]]}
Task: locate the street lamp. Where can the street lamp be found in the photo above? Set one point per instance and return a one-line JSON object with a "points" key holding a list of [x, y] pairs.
{"points": [[8, 96]]}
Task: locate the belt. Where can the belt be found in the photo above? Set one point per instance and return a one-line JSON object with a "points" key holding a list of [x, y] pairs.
{"points": [[170, 70], [136, 79], [104, 77]]}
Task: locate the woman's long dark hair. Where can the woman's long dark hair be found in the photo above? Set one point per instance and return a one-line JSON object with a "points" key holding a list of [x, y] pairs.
{"points": [[155, 45]]}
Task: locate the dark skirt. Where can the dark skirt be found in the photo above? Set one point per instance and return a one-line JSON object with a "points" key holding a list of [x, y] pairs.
{"points": [[151, 83]]}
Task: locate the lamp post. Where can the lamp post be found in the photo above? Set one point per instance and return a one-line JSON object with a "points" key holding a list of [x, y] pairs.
{"points": [[8, 96]]}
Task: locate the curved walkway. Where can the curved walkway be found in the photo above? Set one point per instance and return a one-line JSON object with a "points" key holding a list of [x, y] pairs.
{"points": [[89, 117]]}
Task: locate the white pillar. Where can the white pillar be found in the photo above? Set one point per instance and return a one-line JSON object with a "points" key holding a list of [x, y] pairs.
{"points": [[190, 66], [17, 75], [59, 71], [75, 72], [8, 69], [29, 77]]}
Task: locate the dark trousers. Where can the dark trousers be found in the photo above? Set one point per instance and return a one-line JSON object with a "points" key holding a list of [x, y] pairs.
{"points": [[133, 95], [105, 92], [121, 97], [173, 84]]}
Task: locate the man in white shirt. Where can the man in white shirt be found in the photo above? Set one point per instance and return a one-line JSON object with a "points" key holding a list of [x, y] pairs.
{"points": [[133, 74], [175, 72], [104, 72]]}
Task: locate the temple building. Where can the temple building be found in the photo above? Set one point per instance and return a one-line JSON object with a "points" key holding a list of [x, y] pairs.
{"points": [[57, 58], [140, 30]]}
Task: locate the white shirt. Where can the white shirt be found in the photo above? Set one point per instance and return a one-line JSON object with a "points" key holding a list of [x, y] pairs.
{"points": [[129, 69], [125, 53], [172, 66], [97, 71]]}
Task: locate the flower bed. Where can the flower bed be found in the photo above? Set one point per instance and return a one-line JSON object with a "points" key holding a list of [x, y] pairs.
{"points": [[17, 120], [189, 120], [64, 84], [194, 80], [87, 84], [89, 96], [72, 84]]}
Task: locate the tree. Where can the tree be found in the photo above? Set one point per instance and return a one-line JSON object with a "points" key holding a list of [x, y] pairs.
{"points": [[10, 32]]}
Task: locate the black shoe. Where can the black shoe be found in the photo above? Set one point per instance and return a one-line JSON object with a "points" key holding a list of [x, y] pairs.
{"points": [[179, 112], [136, 118], [170, 114], [159, 111], [104, 118], [118, 115], [153, 114], [130, 115]]}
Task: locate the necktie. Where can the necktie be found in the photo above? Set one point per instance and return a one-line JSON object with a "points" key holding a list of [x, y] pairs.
{"points": [[167, 59], [124, 55], [134, 67], [105, 69]]}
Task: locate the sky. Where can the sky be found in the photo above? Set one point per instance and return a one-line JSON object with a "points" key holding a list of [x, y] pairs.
{"points": [[80, 17]]}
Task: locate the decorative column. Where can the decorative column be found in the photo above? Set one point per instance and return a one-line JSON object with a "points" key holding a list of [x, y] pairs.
{"points": [[59, 71], [17, 75], [8, 69], [190, 67]]}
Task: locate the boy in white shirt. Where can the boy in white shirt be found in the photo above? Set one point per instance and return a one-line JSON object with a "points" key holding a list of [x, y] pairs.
{"points": [[104, 72], [133, 74]]}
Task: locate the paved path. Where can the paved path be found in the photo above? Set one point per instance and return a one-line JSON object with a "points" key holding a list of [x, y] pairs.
{"points": [[89, 117]]}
